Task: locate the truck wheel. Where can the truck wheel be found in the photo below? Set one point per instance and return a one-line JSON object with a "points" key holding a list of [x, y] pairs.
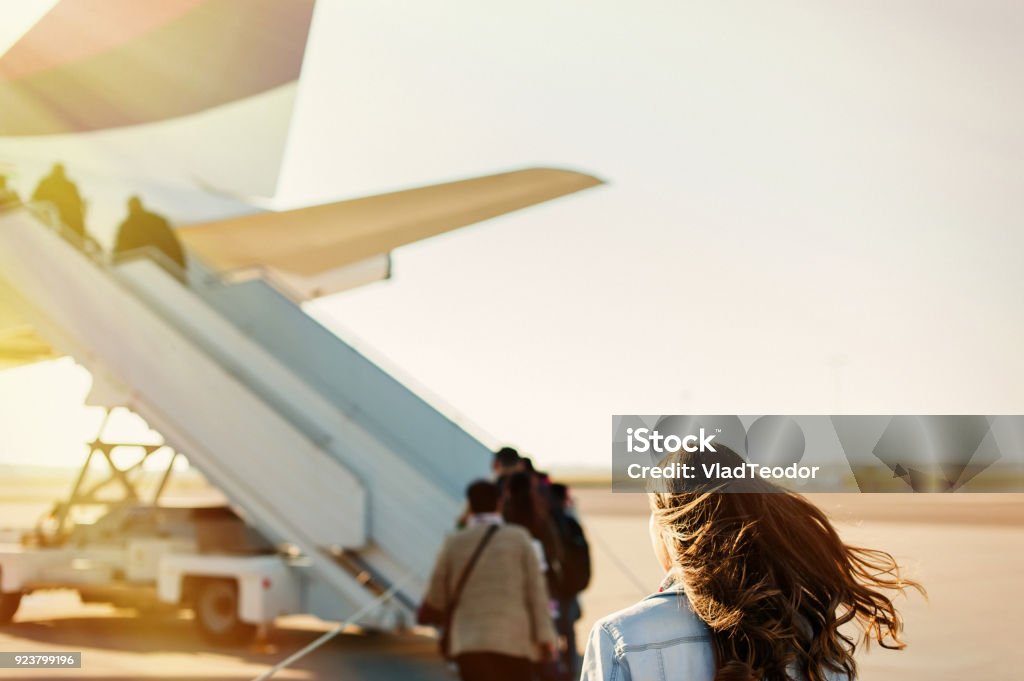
{"points": [[8, 606], [216, 609]]}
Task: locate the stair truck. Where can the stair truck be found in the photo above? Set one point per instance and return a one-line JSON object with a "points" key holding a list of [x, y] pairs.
{"points": [[341, 482]]}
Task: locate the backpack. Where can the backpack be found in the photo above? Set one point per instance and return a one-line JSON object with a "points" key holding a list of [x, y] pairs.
{"points": [[575, 557]]}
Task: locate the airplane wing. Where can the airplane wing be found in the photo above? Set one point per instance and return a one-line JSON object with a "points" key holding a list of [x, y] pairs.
{"points": [[323, 249]]}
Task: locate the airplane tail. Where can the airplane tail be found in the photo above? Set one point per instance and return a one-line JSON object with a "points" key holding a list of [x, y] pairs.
{"points": [[173, 89]]}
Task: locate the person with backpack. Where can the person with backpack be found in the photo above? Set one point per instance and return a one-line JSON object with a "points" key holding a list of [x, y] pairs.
{"points": [[576, 571], [488, 594]]}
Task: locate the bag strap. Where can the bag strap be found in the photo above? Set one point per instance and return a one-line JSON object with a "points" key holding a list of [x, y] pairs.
{"points": [[464, 577]]}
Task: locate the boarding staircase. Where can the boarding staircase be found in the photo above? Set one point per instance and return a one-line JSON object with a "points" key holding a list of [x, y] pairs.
{"points": [[315, 445]]}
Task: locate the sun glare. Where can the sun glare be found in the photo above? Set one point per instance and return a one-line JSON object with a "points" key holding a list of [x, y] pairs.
{"points": [[53, 424]]}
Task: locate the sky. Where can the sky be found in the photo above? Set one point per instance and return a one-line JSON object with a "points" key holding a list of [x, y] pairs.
{"points": [[809, 209]]}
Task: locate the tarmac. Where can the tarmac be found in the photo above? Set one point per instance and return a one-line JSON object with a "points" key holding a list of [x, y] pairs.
{"points": [[967, 549]]}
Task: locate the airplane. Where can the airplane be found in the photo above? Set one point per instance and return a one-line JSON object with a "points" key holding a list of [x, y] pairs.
{"points": [[122, 100], [307, 439]]}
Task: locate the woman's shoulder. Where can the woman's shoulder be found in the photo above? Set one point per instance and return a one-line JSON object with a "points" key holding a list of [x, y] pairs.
{"points": [[661, 618], [661, 621]]}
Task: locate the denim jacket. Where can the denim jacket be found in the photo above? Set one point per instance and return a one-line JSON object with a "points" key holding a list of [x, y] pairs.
{"points": [[658, 639]]}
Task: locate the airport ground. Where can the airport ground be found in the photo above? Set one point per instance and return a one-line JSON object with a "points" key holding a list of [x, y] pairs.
{"points": [[968, 550]]}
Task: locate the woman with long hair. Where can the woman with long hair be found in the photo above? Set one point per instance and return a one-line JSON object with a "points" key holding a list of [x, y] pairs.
{"points": [[525, 506], [759, 587]]}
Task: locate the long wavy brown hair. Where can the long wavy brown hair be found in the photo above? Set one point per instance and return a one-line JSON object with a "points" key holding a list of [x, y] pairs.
{"points": [[766, 571]]}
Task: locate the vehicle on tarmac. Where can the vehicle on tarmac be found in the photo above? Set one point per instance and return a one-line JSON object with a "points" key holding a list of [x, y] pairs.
{"points": [[156, 557]]}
